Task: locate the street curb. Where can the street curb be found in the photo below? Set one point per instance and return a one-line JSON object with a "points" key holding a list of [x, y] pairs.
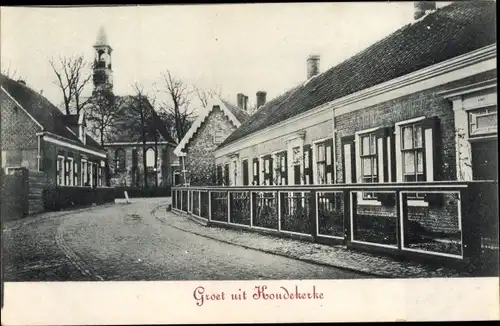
{"points": [[194, 218], [307, 260]]}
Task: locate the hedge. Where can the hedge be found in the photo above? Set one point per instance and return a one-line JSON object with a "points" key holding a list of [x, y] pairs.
{"points": [[60, 197], [136, 192]]}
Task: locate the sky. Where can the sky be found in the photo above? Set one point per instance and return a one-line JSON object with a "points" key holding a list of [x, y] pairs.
{"points": [[235, 47]]}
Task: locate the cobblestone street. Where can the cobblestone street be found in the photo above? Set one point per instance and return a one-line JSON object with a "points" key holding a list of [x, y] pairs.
{"points": [[127, 242]]}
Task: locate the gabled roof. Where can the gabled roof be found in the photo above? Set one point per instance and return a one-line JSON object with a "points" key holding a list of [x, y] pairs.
{"points": [[450, 31], [236, 115], [47, 115], [127, 117]]}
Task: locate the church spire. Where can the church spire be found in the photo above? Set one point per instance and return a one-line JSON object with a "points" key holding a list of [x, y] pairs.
{"points": [[102, 37], [103, 73]]}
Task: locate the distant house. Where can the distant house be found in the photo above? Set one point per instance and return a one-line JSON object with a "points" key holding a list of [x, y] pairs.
{"points": [[418, 105], [125, 139], [196, 150], [38, 136]]}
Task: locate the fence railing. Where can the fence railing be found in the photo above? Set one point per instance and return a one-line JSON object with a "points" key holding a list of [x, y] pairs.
{"points": [[446, 220]]}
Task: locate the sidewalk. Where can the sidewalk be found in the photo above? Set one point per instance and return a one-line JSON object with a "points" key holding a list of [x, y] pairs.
{"points": [[335, 256]]}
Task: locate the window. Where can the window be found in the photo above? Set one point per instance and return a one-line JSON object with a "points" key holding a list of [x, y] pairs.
{"points": [[368, 156], [150, 157], [69, 175], [280, 171], [218, 137], [324, 161], [83, 173], [483, 121], [255, 171], [412, 152], [75, 174], [268, 173], [120, 159], [60, 171], [307, 162]]}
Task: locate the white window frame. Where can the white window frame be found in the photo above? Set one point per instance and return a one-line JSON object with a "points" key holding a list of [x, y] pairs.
{"points": [[83, 171], [472, 116], [61, 174], [428, 162], [218, 134], [359, 177], [314, 146], [277, 157], [71, 174]]}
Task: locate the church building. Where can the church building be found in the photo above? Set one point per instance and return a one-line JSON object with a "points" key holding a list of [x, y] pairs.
{"points": [[139, 147]]}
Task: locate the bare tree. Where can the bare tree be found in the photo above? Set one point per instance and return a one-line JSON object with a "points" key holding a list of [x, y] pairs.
{"points": [[205, 95], [72, 75], [179, 115], [102, 112]]}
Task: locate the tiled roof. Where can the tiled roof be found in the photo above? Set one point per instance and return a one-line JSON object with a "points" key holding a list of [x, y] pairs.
{"points": [[450, 31], [239, 114], [44, 112]]}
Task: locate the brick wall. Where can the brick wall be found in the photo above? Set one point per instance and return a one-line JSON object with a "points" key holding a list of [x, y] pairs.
{"points": [[18, 135], [200, 159]]}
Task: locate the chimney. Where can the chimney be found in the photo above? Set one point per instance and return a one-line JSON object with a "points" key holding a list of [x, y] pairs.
{"points": [[239, 100], [21, 81], [312, 65], [261, 98], [422, 7], [245, 102], [41, 92]]}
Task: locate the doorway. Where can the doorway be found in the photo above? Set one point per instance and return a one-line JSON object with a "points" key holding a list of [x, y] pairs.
{"points": [[485, 159]]}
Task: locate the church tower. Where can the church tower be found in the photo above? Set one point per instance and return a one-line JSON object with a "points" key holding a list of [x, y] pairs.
{"points": [[103, 74]]}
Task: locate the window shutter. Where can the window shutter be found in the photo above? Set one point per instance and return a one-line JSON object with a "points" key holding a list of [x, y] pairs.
{"points": [[329, 160], [284, 169], [391, 154], [348, 159], [431, 131], [245, 173], [384, 170], [271, 165], [308, 171]]}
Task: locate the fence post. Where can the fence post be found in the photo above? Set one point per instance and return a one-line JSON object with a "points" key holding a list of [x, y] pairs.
{"points": [[313, 207], [401, 218], [251, 208], [347, 216], [278, 210], [228, 207], [199, 203], [209, 206]]}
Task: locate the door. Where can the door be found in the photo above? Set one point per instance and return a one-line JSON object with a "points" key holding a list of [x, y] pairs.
{"points": [[485, 159]]}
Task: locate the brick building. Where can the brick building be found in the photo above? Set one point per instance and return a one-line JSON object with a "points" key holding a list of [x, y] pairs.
{"points": [[136, 130], [38, 136], [196, 150], [418, 105]]}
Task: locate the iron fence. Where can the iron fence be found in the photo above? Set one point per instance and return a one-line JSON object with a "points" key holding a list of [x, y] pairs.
{"points": [[445, 220]]}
